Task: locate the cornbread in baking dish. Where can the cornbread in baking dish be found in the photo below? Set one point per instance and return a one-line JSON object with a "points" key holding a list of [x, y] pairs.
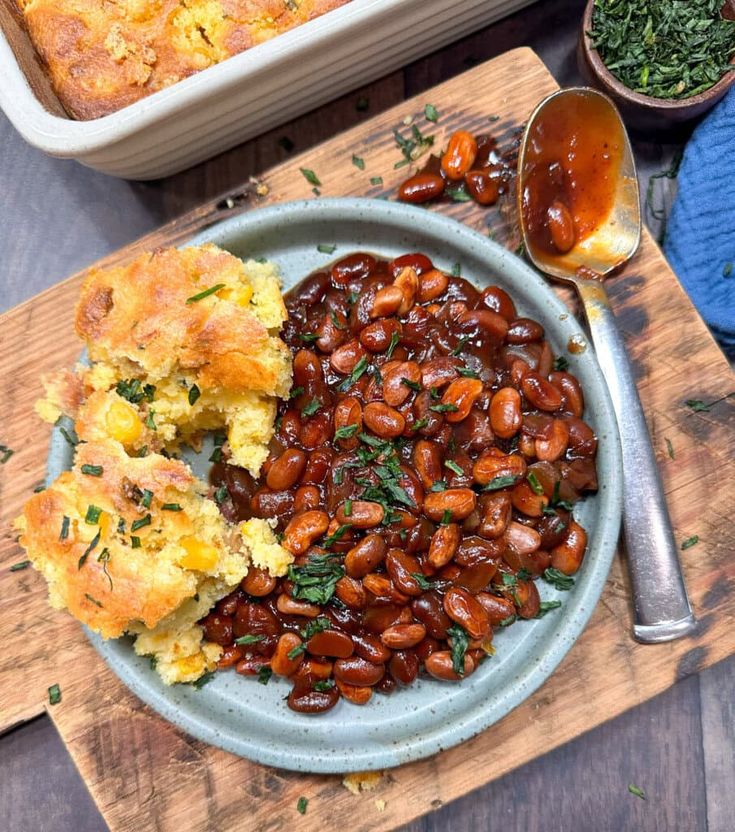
{"points": [[181, 341], [105, 54]]}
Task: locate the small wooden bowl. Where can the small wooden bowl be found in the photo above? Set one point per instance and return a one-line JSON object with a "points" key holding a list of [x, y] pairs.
{"points": [[642, 111]]}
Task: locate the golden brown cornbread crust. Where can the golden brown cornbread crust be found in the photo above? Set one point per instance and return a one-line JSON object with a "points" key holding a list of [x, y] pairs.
{"points": [[143, 314], [103, 55]]}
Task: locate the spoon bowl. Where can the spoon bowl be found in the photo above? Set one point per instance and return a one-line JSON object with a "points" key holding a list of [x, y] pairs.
{"points": [[580, 219]]}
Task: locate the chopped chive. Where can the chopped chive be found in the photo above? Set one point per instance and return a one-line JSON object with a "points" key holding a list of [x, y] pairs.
{"points": [[310, 176], [324, 248], [71, 438], [311, 408], [6, 454], [357, 371], [333, 538], [92, 470], [444, 408], [203, 680], [135, 542], [697, 405], [439, 485], [561, 363], [547, 606], [460, 345], [376, 180], [194, 394], [533, 481], [249, 638], [64, 533], [140, 523], [346, 432], [171, 507], [149, 421], [89, 549], [142, 452], [295, 392], [301, 805], [446, 518], [637, 791], [394, 339], [558, 579], [93, 600], [456, 270], [264, 674], [54, 695], [419, 423], [22, 564], [358, 162], [690, 541], [221, 494], [452, 465], [347, 510], [414, 385], [324, 684], [93, 515], [206, 293], [146, 498], [670, 449], [466, 372]]}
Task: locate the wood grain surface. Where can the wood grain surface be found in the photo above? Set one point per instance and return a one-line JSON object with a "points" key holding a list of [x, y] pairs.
{"points": [[143, 773]]}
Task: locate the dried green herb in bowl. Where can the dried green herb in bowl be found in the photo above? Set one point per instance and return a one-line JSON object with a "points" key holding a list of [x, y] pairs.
{"points": [[667, 49]]}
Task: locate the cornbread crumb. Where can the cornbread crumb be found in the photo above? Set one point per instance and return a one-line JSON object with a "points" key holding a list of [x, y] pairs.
{"points": [[380, 805], [362, 781], [265, 550]]}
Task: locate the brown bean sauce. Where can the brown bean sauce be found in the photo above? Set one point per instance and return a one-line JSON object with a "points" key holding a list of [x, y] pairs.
{"points": [[429, 450]]}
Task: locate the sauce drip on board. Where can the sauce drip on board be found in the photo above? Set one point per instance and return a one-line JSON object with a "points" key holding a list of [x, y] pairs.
{"points": [[572, 165]]}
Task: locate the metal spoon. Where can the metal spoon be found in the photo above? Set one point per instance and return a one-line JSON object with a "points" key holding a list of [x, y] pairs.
{"points": [[662, 609]]}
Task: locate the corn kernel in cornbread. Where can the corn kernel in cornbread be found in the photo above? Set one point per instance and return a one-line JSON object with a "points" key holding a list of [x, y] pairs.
{"points": [[113, 538]]}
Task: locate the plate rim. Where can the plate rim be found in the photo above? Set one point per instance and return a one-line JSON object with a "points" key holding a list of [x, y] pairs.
{"points": [[579, 608]]}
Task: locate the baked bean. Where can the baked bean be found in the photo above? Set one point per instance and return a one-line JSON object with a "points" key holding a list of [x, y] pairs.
{"points": [[496, 608], [353, 693], [316, 431], [404, 665], [420, 263], [429, 610], [527, 501], [408, 282], [541, 393], [522, 539], [331, 643], [344, 358], [528, 597], [439, 371], [363, 558], [398, 381], [258, 582], [290, 606], [460, 395], [351, 593], [317, 467], [524, 331], [444, 544], [572, 399], [254, 619], [582, 441], [281, 664], [363, 514], [402, 568], [386, 302], [422, 187], [307, 368], [567, 555], [357, 671], [499, 301], [493, 464], [506, 416], [460, 154], [286, 470], [496, 516], [305, 699], [402, 636], [473, 549], [462, 608], [439, 665], [485, 322], [306, 498], [551, 449], [432, 284], [457, 503], [427, 461], [482, 187], [354, 266], [377, 336], [251, 665], [218, 628], [229, 657], [383, 589], [476, 578], [384, 421], [304, 529], [348, 417], [561, 226]]}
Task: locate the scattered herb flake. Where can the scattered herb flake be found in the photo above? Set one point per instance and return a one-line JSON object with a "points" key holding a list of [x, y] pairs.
{"points": [[64, 533], [460, 345], [5, 454], [150, 419], [444, 408], [547, 606], [697, 405], [533, 481], [457, 270], [690, 541], [325, 248], [295, 392], [249, 638], [171, 507], [430, 113], [310, 176], [309, 337], [324, 685], [206, 293], [637, 791], [561, 363], [264, 674], [376, 180], [93, 515], [203, 680], [70, 437], [316, 579], [54, 695], [394, 339], [460, 643], [446, 518], [194, 394], [558, 579], [347, 510], [357, 371], [337, 535], [147, 498], [670, 449], [346, 431], [93, 600], [311, 408], [22, 564], [452, 465], [419, 423], [413, 385], [358, 162], [301, 805], [424, 584], [140, 523], [439, 485], [135, 542], [466, 372]]}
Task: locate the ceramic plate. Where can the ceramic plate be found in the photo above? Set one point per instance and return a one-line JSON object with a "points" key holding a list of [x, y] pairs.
{"points": [[250, 719]]}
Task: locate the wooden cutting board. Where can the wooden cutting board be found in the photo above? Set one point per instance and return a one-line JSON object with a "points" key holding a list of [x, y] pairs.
{"points": [[145, 774]]}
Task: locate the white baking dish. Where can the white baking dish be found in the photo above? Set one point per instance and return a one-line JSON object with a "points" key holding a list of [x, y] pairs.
{"points": [[241, 97]]}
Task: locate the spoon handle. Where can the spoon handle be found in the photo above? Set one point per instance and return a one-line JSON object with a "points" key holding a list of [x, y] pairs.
{"points": [[662, 609]]}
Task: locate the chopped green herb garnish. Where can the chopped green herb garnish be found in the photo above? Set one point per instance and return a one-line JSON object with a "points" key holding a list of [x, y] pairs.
{"points": [[171, 507], [467, 372], [376, 180], [337, 535], [295, 392], [444, 408], [439, 485], [324, 685], [301, 805], [460, 643], [446, 518], [547, 606], [347, 510], [310, 176], [316, 625], [140, 523], [206, 293], [5, 454], [697, 405], [690, 541], [311, 408], [414, 147], [430, 113], [203, 680], [147, 498], [194, 394], [458, 194], [149, 419], [452, 465], [460, 345], [93, 515], [142, 452], [264, 674], [92, 470], [727, 270], [70, 437], [93, 600], [22, 564], [346, 432], [561, 364], [506, 622], [316, 579], [357, 371], [221, 494], [419, 423], [324, 248], [637, 791], [413, 385], [424, 584], [248, 639], [358, 162], [54, 695], [64, 533], [533, 481], [134, 391], [670, 449], [309, 337], [394, 339], [457, 270], [135, 542], [558, 579]]}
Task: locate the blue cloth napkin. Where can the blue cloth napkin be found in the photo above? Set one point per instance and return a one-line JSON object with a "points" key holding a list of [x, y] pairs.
{"points": [[700, 235]]}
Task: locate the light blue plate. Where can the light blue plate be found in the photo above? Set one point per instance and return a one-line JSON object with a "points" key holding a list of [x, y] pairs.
{"points": [[247, 718]]}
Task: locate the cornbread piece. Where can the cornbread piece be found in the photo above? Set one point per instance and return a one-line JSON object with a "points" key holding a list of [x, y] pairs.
{"points": [[103, 55], [124, 540]]}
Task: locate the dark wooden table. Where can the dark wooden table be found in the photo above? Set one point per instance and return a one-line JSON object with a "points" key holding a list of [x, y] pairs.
{"points": [[680, 748]]}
